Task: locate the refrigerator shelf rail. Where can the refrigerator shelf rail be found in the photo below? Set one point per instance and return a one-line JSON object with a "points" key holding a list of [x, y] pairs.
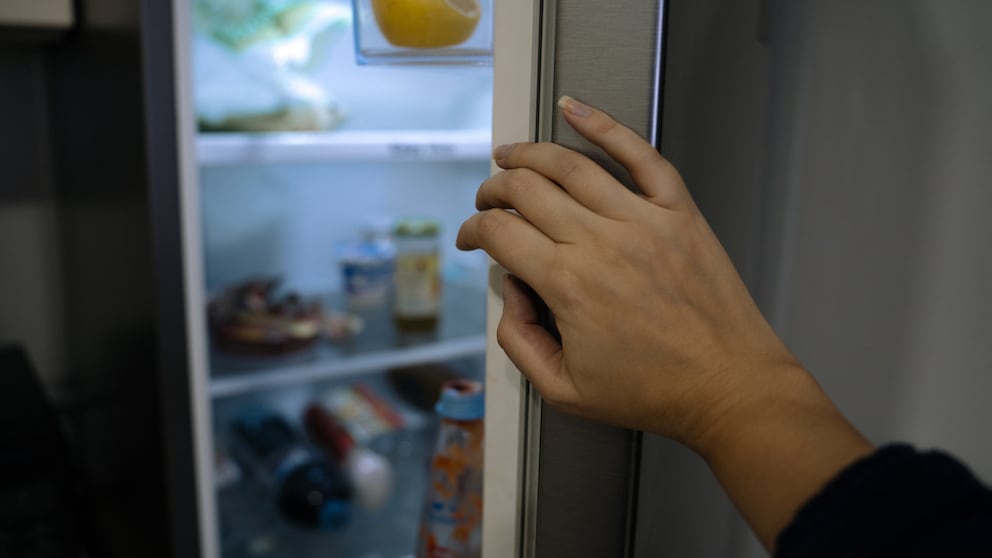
{"points": [[231, 148], [329, 368]]}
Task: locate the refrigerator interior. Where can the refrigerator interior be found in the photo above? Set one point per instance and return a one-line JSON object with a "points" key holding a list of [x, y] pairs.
{"points": [[250, 522], [413, 142], [851, 194]]}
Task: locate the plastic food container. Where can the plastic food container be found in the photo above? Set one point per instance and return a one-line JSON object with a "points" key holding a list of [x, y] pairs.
{"points": [[367, 272], [423, 31]]}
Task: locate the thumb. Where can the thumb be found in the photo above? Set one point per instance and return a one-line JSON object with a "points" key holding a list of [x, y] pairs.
{"points": [[529, 346]]}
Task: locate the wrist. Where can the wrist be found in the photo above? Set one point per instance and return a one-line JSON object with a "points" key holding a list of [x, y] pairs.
{"points": [[775, 394], [775, 446]]}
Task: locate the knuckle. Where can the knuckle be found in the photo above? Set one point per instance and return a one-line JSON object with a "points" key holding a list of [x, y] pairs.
{"points": [[562, 283], [569, 163], [491, 223], [517, 182], [606, 126], [648, 155]]}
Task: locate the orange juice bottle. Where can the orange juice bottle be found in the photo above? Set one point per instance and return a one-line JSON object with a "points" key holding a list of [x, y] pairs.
{"points": [[451, 524]]}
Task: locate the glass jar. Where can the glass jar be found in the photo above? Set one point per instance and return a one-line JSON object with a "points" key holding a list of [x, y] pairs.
{"points": [[417, 275]]}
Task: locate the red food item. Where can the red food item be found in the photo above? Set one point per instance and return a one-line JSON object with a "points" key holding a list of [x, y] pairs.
{"points": [[364, 413], [328, 432]]}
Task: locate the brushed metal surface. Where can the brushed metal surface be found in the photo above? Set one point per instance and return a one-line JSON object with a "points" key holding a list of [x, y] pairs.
{"points": [[606, 54]]}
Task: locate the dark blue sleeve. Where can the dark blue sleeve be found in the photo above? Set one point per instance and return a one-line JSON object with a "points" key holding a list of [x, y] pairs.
{"points": [[895, 502]]}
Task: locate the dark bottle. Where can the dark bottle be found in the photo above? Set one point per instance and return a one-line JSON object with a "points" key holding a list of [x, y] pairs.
{"points": [[311, 490]]}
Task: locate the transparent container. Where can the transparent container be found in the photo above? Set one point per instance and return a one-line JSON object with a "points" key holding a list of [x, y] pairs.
{"points": [[367, 266], [423, 31]]}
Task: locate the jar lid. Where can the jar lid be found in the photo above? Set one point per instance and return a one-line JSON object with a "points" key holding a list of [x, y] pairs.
{"points": [[461, 400], [417, 228]]}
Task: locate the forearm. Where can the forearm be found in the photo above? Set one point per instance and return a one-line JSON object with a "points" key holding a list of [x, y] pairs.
{"points": [[773, 452]]}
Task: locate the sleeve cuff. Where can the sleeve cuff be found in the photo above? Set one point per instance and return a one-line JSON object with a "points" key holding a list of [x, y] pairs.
{"points": [[883, 505]]}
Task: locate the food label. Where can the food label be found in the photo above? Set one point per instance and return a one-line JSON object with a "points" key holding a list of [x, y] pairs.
{"points": [[418, 285], [451, 526], [367, 282]]}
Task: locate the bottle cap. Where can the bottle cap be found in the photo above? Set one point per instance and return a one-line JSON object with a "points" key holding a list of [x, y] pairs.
{"points": [[461, 400], [334, 514]]}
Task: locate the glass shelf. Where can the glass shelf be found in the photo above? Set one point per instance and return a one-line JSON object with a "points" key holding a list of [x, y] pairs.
{"points": [[377, 347], [221, 148], [251, 524]]}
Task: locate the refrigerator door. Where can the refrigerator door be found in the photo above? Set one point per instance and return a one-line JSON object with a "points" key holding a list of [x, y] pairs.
{"points": [[557, 485]]}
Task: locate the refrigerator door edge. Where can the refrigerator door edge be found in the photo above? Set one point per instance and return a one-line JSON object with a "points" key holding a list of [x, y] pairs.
{"points": [[195, 300], [516, 30]]}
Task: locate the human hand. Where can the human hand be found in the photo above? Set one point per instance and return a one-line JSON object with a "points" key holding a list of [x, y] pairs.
{"points": [[658, 332]]}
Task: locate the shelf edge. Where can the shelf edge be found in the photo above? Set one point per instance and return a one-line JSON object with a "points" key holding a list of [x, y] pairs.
{"points": [[219, 149], [290, 375]]}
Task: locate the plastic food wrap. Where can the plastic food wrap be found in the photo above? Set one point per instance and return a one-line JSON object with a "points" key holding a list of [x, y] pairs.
{"points": [[363, 413], [254, 61]]}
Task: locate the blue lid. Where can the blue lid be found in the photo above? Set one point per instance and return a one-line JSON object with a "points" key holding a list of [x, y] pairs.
{"points": [[334, 514], [461, 400]]}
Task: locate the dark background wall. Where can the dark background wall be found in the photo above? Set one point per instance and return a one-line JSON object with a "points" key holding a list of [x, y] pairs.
{"points": [[77, 286]]}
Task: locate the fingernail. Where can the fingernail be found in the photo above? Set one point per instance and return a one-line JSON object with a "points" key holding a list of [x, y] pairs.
{"points": [[573, 107], [500, 153]]}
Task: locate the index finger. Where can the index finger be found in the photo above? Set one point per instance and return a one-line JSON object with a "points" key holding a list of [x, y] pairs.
{"points": [[652, 173], [584, 180]]}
